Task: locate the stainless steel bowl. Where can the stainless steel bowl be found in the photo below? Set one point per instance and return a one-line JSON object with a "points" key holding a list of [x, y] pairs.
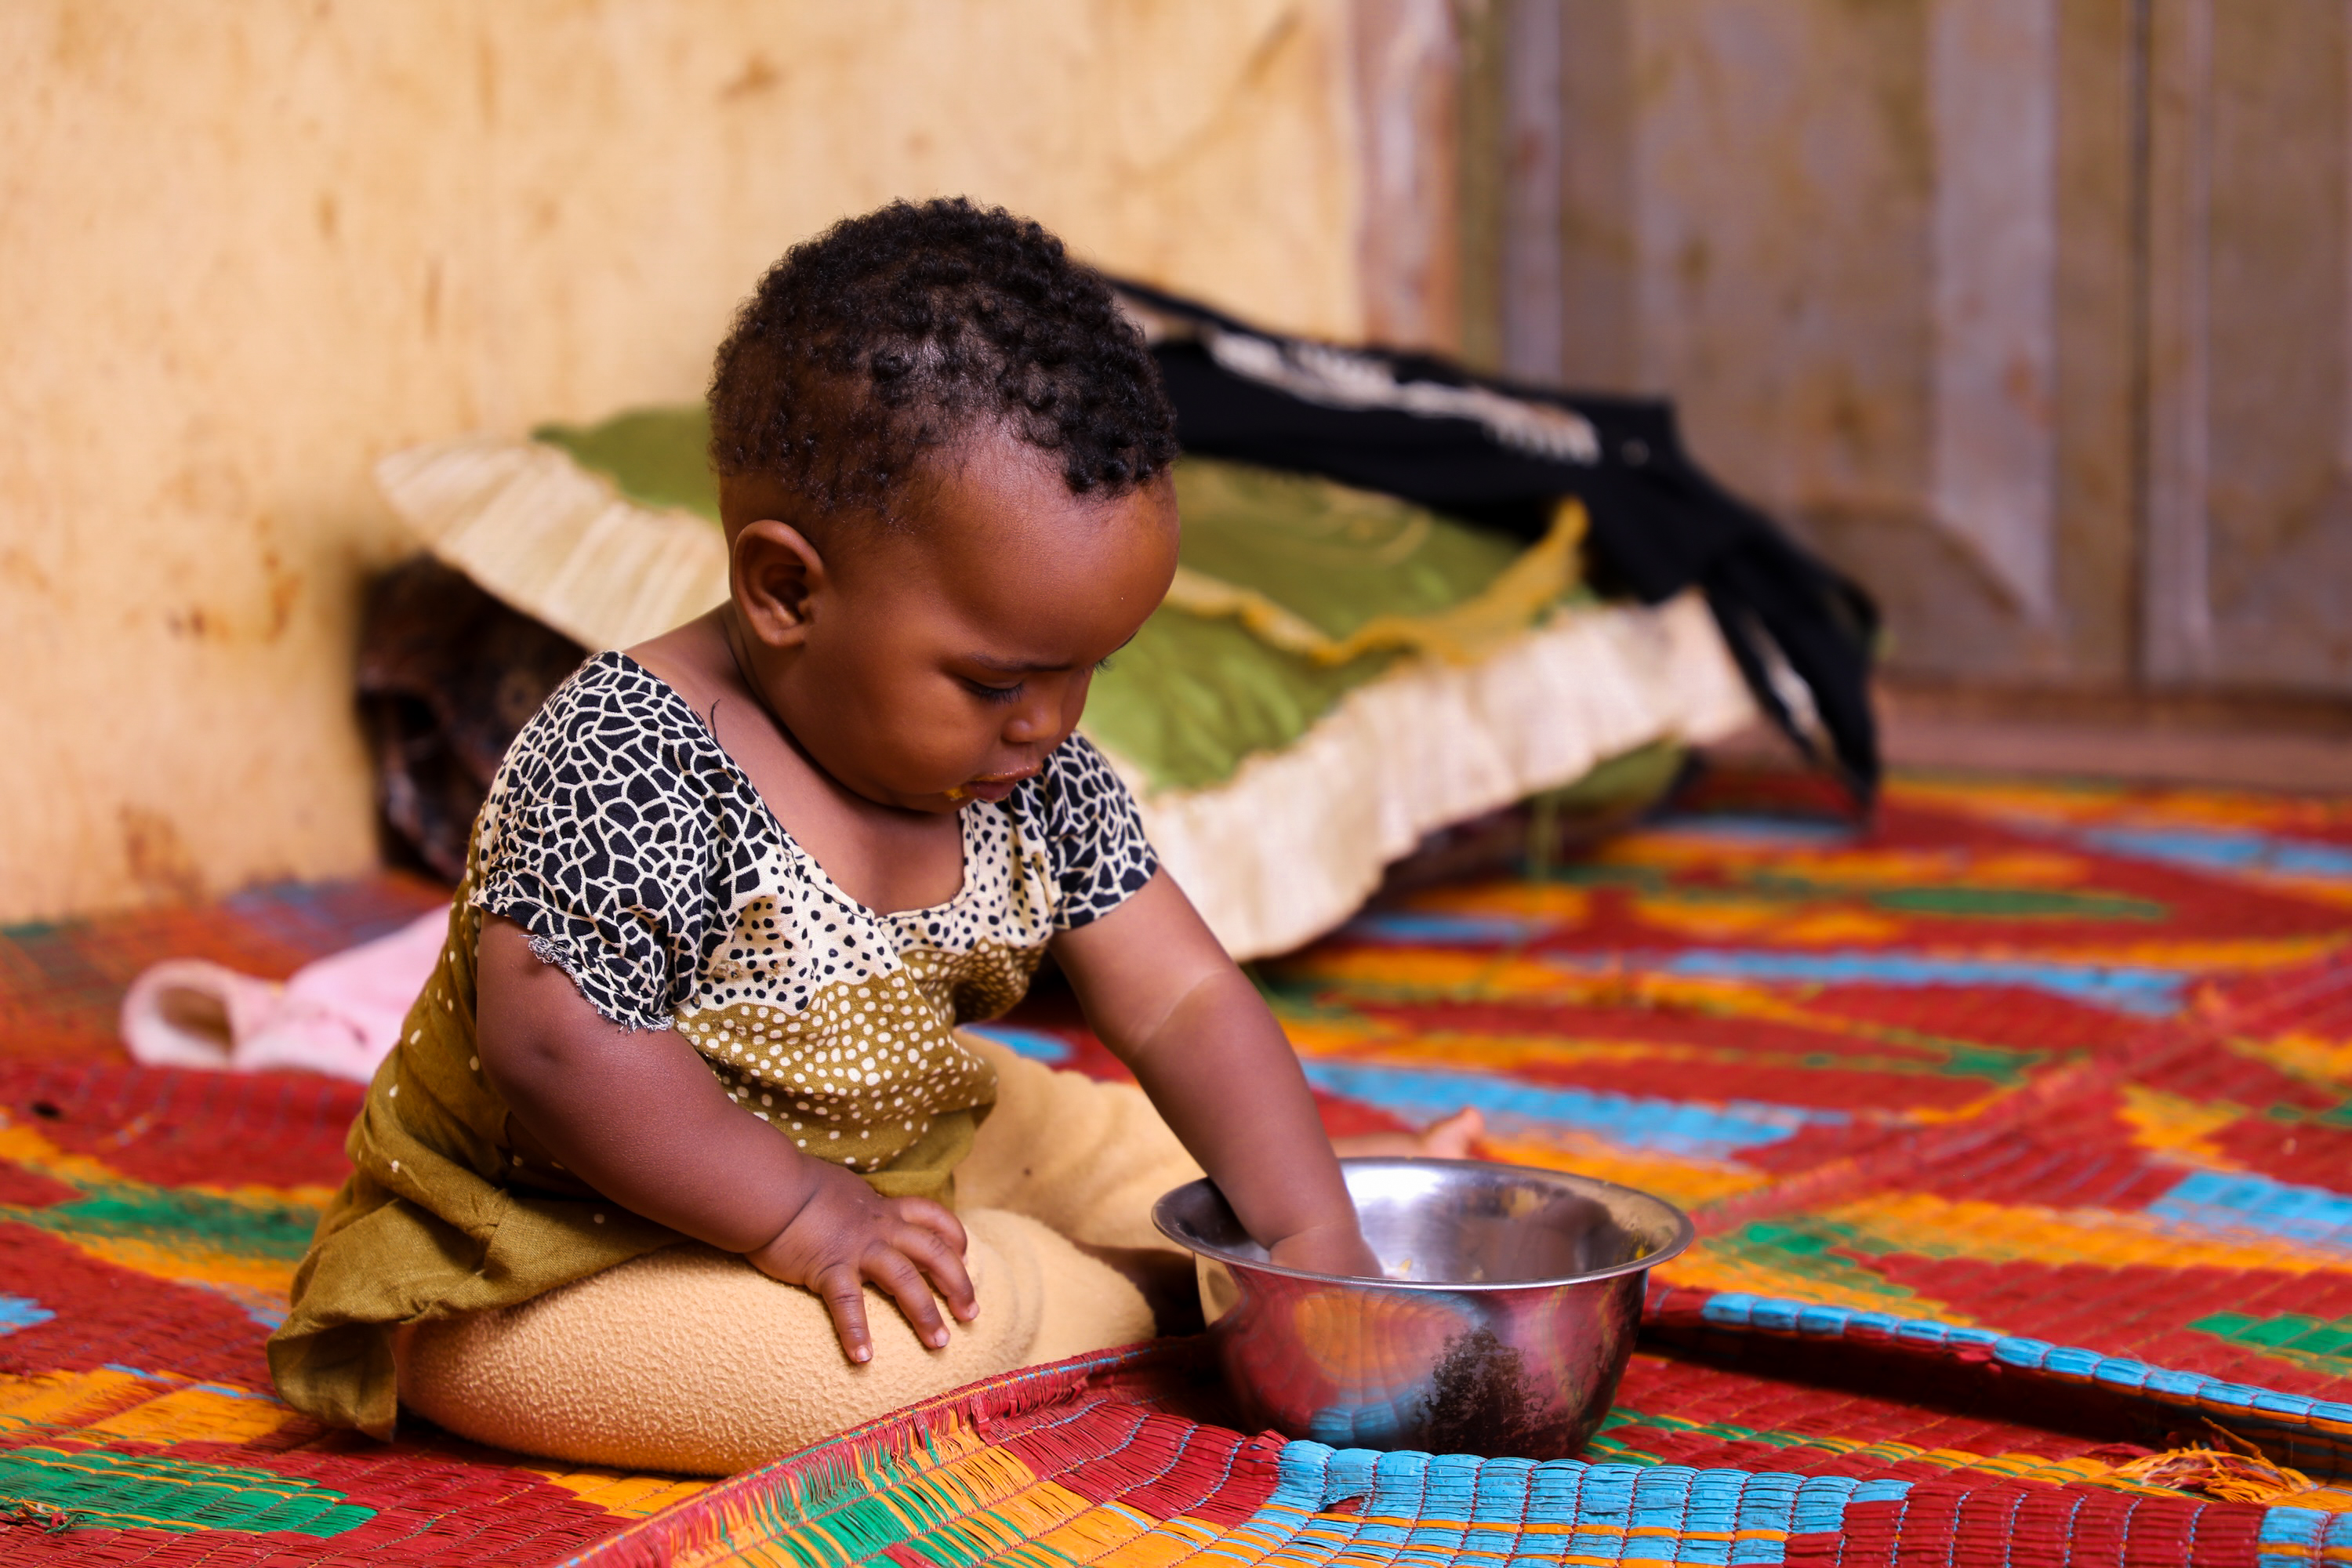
{"points": [[1509, 1304]]}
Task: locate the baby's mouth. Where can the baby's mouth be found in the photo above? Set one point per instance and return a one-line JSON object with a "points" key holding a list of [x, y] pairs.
{"points": [[991, 787]]}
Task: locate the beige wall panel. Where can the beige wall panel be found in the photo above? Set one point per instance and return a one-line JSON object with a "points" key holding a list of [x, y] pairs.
{"points": [[1600, 261], [1408, 63], [1781, 209], [2098, 360], [250, 248], [2279, 320], [1783, 170], [1881, 255], [2247, 549]]}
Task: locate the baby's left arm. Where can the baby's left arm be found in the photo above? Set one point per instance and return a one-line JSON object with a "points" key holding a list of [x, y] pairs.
{"points": [[1163, 994]]}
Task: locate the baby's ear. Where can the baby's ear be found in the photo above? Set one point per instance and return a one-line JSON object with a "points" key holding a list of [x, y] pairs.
{"points": [[774, 572]]}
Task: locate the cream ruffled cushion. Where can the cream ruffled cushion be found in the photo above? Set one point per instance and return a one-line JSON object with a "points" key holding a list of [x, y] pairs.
{"points": [[1276, 854]]}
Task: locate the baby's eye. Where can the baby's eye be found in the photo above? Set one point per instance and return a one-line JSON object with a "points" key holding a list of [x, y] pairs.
{"points": [[1102, 664], [995, 693]]}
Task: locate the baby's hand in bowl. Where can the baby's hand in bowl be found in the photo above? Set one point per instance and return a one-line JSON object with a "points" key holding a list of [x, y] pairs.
{"points": [[846, 1233], [1327, 1249]]}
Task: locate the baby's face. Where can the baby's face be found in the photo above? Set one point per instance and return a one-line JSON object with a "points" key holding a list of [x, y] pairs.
{"points": [[941, 662]]}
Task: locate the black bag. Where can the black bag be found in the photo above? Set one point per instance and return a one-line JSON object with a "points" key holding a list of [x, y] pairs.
{"points": [[1500, 454]]}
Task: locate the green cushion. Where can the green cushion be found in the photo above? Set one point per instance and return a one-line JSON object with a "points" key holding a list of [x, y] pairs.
{"points": [[1191, 697], [655, 456]]}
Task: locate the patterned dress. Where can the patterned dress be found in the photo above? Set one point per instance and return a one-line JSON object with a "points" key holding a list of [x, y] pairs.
{"points": [[641, 860]]}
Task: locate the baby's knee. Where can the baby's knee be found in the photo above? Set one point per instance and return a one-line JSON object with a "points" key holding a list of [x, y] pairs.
{"points": [[687, 1359], [690, 1360]]}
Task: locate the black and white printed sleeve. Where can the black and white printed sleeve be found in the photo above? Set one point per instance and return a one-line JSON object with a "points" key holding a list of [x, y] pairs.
{"points": [[1100, 857], [603, 838]]}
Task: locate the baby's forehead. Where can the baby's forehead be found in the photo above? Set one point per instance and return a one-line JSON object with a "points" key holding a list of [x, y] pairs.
{"points": [[994, 530], [1008, 538], [993, 483]]}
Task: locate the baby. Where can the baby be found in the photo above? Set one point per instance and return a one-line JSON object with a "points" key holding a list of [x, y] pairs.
{"points": [[685, 1101]]}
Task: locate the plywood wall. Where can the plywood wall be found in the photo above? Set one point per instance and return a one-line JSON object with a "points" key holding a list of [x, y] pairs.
{"points": [[250, 246], [2035, 315]]}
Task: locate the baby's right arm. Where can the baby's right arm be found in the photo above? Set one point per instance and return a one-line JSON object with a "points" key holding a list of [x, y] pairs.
{"points": [[638, 1117]]}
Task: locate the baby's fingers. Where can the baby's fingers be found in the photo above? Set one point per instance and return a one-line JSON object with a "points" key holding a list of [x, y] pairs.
{"points": [[936, 1218], [945, 1266], [891, 1269], [844, 1295]]}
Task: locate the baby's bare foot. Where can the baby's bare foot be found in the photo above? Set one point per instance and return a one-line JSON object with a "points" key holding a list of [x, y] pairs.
{"points": [[1451, 1139], [1456, 1138]]}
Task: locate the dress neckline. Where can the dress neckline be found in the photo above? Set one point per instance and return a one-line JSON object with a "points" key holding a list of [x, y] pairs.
{"points": [[793, 846]]}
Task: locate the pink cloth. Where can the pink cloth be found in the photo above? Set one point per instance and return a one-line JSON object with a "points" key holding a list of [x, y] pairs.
{"points": [[339, 1015]]}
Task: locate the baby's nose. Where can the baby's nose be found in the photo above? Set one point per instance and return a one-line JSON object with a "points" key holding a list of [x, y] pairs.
{"points": [[1032, 721]]}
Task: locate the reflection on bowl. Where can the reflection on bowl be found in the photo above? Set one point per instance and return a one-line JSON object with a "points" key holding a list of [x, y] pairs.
{"points": [[1508, 1305]]}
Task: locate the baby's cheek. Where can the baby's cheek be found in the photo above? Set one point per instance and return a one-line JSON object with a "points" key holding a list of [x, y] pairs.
{"points": [[924, 763], [1074, 702], [904, 732], [943, 739]]}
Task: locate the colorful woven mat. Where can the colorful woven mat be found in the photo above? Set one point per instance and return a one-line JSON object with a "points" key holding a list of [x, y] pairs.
{"points": [[150, 1222], [2019, 1130], [61, 984], [1099, 1462]]}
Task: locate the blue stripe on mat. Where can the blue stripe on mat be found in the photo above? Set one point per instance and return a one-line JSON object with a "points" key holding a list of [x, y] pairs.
{"points": [[2119, 988], [2240, 1200], [1670, 1126], [21, 1312], [1436, 1508], [2217, 851]]}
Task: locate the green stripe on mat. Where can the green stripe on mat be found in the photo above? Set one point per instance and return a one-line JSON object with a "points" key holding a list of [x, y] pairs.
{"points": [[142, 1492]]}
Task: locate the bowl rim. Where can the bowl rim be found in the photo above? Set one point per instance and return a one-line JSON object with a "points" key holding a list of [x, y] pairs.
{"points": [[1685, 1232]]}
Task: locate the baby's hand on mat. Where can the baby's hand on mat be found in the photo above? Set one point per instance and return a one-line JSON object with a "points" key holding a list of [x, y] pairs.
{"points": [[846, 1233]]}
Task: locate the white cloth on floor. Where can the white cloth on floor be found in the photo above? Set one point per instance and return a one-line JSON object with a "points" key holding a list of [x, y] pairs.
{"points": [[339, 1015]]}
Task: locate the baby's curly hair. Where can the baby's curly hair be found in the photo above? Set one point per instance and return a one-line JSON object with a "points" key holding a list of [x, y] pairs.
{"points": [[901, 331]]}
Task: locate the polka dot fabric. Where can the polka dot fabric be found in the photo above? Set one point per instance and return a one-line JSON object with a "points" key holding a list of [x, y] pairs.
{"points": [[643, 862]]}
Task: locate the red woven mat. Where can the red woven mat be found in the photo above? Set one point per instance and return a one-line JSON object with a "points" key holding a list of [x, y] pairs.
{"points": [[2066, 1067], [61, 984], [2070, 1063], [1116, 1459], [150, 1222]]}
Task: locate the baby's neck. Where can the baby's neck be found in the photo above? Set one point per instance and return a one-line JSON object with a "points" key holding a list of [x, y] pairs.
{"points": [[886, 858]]}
